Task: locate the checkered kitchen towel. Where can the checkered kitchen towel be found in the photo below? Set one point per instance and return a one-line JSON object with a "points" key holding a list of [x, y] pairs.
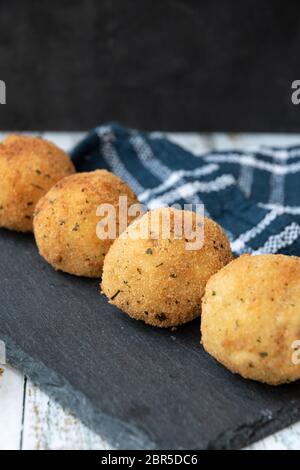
{"points": [[255, 196]]}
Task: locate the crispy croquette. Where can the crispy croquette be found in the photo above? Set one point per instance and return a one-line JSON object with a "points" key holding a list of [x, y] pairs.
{"points": [[65, 221], [251, 317], [29, 167], [155, 278]]}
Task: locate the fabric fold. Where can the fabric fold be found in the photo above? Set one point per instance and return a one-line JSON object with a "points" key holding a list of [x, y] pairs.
{"points": [[254, 194]]}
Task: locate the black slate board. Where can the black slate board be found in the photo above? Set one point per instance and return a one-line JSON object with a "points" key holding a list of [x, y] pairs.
{"points": [[138, 386]]}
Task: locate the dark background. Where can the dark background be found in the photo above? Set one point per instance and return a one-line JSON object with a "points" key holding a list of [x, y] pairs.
{"points": [[173, 64]]}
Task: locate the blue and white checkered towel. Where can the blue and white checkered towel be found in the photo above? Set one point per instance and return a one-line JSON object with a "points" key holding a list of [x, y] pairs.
{"points": [[255, 196]]}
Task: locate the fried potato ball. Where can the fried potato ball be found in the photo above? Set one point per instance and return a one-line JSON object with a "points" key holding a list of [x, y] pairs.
{"points": [[251, 317], [65, 221], [158, 280], [29, 166]]}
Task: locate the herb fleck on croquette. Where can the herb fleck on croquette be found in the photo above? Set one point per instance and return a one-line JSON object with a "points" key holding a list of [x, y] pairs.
{"points": [[76, 227], [263, 354], [115, 295], [161, 316]]}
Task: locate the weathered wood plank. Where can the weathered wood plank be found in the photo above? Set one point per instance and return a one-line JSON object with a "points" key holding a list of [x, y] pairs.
{"points": [[48, 426], [287, 439], [193, 142], [11, 402], [64, 140], [222, 141]]}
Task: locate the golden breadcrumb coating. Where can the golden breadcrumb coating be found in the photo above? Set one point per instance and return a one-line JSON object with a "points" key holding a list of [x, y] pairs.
{"points": [[29, 167], [251, 317], [159, 281], [65, 221]]}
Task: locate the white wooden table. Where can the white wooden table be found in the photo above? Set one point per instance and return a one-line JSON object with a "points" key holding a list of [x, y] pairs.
{"points": [[29, 419]]}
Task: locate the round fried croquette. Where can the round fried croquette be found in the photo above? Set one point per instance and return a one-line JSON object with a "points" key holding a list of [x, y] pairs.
{"points": [[65, 221], [251, 317], [29, 167], [155, 278]]}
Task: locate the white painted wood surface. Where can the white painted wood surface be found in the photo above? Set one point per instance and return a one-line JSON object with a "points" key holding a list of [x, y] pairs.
{"points": [[29, 419]]}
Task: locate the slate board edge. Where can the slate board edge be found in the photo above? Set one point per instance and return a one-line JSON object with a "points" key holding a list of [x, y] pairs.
{"points": [[118, 434], [122, 436]]}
